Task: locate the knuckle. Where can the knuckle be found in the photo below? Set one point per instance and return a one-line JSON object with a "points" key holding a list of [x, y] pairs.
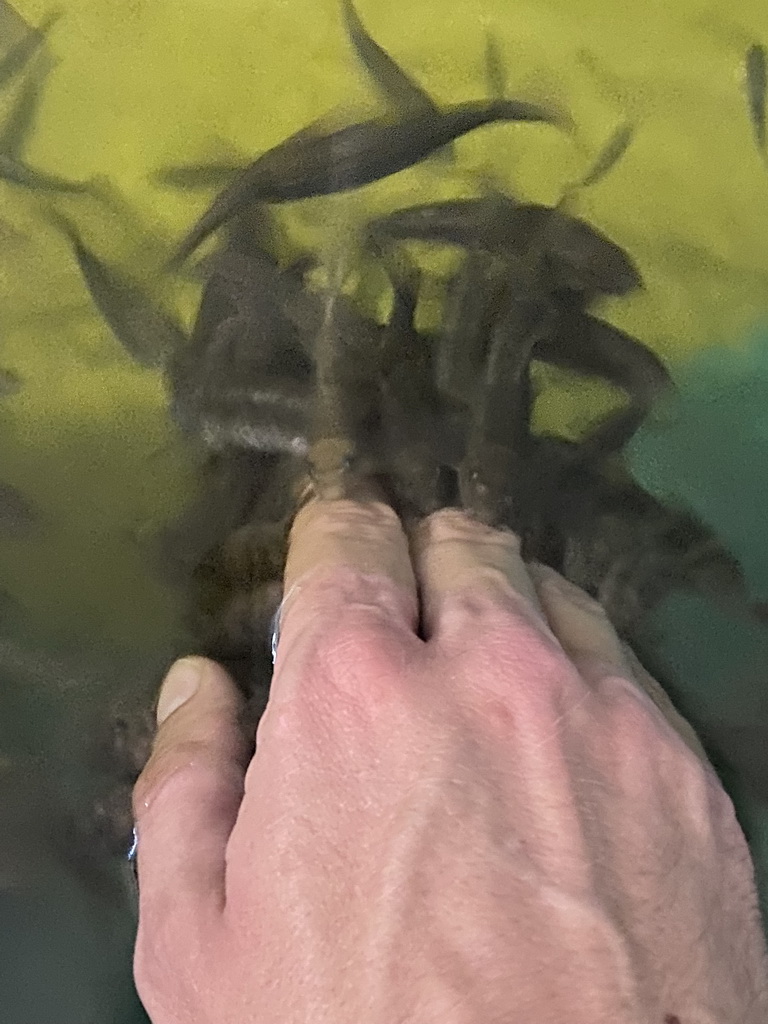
{"points": [[185, 757]]}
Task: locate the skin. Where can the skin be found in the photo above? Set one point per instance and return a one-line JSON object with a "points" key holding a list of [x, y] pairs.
{"points": [[500, 818]]}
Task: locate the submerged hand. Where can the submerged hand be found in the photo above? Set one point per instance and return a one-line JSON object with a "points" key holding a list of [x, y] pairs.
{"points": [[485, 821]]}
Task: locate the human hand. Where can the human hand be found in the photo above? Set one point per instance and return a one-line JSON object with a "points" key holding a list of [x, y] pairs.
{"points": [[490, 821]]}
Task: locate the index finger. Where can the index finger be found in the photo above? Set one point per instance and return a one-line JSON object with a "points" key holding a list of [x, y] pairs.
{"points": [[346, 559]]}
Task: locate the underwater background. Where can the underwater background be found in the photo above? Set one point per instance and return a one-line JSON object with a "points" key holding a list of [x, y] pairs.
{"points": [[86, 623]]}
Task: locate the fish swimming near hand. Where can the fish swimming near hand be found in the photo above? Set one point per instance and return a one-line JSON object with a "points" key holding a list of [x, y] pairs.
{"points": [[309, 164], [197, 176], [580, 257], [589, 346], [756, 82], [21, 53], [148, 334]]}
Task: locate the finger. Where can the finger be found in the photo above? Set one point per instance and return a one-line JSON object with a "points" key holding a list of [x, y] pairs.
{"points": [[581, 625], [188, 796], [346, 559], [465, 569], [592, 644]]}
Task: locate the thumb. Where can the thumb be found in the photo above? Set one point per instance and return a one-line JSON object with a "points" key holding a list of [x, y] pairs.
{"points": [[188, 796]]}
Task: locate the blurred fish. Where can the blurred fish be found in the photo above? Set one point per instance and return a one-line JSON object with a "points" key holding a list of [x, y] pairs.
{"points": [[145, 331], [272, 417], [17, 127], [17, 173], [495, 72], [197, 176], [471, 302], [756, 80], [609, 156], [589, 346], [20, 54], [17, 514], [10, 383], [579, 256], [499, 444], [309, 164]]}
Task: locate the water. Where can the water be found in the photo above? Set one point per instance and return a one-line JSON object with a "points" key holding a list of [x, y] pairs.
{"points": [[89, 623]]}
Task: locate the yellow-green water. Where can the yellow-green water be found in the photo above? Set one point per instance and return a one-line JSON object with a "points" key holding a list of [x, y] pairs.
{"points": [[141, 84]]}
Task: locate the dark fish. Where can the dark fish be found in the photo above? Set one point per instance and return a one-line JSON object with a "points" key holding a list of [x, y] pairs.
{"points": [[272, 417], [18, 126], [356, 155], [146, 333], [580, 257], [592, 347], [609, 156], [499, 444], [495, 71], [198, 176], [17, 514], [756, 77], [393, 83], [17, 173], [471, 302], [10, 383], [20, 54]]}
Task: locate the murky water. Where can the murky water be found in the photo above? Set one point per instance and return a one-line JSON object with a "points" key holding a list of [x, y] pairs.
{"points": [[90, 615]]}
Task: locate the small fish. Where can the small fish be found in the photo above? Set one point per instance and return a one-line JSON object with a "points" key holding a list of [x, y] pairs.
{"points": [[350, 157], [495, 71], [10, 383], [20, 54], [472, 298], [17, 173], [609, 156], [756, 79], [589, 346], [17, 514], [499, 444], [198, 176], [580, 257], [18, 126], [146, 333], [270, 418]]}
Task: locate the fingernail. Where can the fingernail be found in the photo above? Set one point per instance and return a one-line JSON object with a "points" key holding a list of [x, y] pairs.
{"points": [[180, 684]]}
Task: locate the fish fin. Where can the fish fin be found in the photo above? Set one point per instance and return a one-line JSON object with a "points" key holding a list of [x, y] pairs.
{"points": [[395, 85], [609, 155], [495, 70], [15, 59], [20, 123]]}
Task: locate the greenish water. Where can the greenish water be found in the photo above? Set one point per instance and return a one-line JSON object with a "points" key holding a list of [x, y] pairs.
{"points": [[86, 623]]}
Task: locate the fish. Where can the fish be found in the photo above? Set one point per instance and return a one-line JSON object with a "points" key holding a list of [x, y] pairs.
{"points": [[17, 173], [471, 301], [10, 383], [609, 155], [499, 444], [495, 73], [307, 165], [579, 257], [586, 345], [21, 53], [271, 417], [756, 80], [17, 513], [19, 124], [198, 176], [148, 334]]}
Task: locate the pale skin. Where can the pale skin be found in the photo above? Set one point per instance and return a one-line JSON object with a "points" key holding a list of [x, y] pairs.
{"points": [[464, 808]]}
